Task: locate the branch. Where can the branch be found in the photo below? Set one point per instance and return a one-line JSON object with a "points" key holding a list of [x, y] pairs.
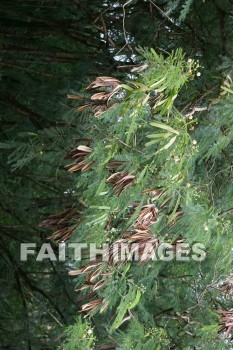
{"points": [[21, 109], [30, 284]]}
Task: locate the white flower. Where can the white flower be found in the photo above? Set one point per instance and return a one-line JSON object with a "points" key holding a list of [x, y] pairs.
{"points": [[194, 142], [198, 74]]}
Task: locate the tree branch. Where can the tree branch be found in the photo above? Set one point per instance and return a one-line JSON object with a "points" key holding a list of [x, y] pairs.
{"points": [[21, 109]]}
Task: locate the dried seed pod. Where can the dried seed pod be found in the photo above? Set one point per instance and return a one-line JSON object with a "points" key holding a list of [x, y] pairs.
{"points": [[146, 217], [96, 276], [87, 166], [99, 101], [226, 320], [65, 222], [121, 181], [90, 307], [100, 96], [80, 155], [103, 81], [112, 165]]}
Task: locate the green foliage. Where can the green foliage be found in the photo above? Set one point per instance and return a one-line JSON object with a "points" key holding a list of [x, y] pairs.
{"points": [[140, 337], [79, 336], [216, 135], [170, 294], [127, 303], [185, 9], [183, 6], [171, 129]]}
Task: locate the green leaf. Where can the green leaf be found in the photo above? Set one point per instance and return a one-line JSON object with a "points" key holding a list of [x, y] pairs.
{"points": [[98, 220], [165, 127], [156, 55], [136, 300], [146, 99], [226, 89], [127, 303], [152, 142], [142, 174], [168, 145], [174, 210], [140, 86], [157, 83], [126, 87], [161, 135]]}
